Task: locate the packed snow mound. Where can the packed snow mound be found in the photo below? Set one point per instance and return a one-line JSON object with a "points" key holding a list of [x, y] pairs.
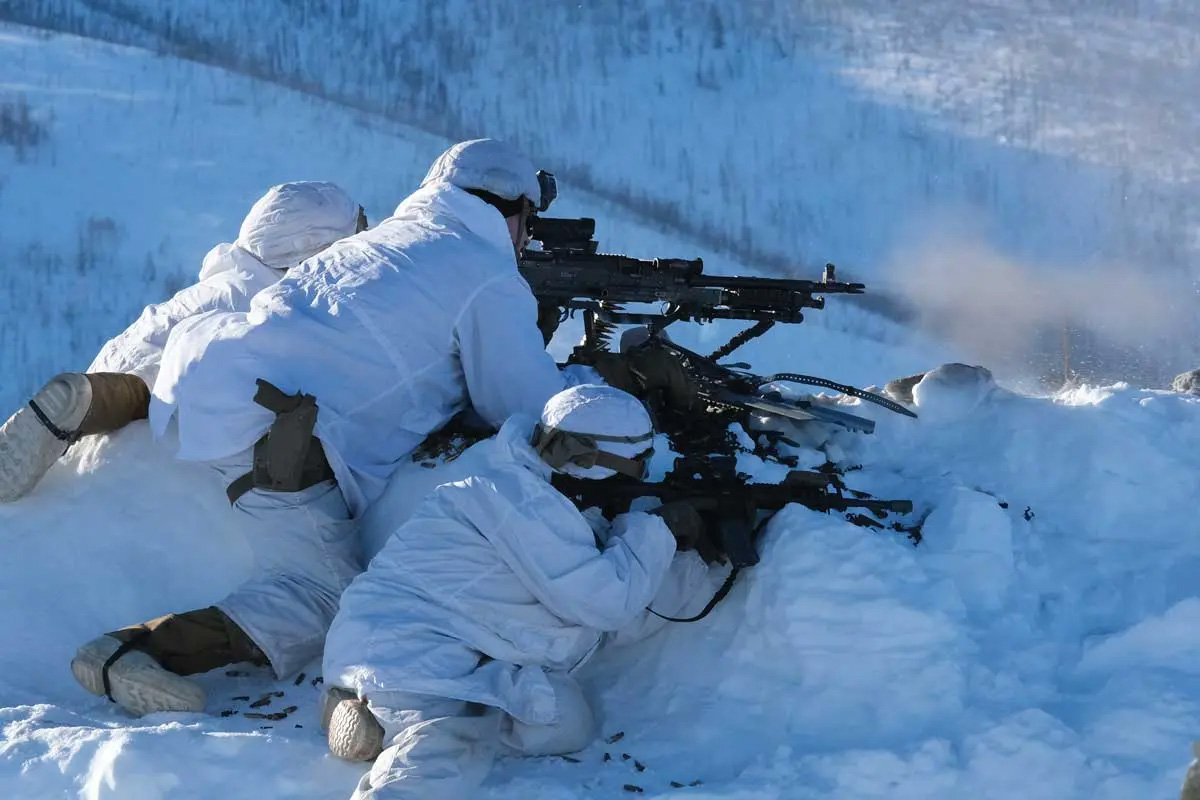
{"points": [[952, 391], [1039, 642]]}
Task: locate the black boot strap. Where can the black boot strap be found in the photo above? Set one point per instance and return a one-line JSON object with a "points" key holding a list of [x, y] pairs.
{"points": [[125, 647], [59, 433]]}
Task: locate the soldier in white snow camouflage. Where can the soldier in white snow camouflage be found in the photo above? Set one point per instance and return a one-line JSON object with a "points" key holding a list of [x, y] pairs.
{"points": [[289, 223], [461, 639]]}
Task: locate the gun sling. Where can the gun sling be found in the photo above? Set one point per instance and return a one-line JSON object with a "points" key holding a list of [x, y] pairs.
{"points": [[288, 458], [716, 598]]}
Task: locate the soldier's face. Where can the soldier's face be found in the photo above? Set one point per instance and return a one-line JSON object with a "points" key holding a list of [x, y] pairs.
{"points": [[519, 230]]}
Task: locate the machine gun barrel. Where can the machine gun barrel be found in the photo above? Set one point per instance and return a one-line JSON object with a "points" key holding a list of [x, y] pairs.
{"points": [[568, 272]]}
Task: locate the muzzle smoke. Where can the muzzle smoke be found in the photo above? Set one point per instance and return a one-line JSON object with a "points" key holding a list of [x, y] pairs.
{"points": [[1051, 322]]}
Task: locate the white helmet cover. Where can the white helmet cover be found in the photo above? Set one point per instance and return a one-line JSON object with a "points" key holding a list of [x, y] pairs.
{"points": [[293, 221], [488, 165], [596, 410]]}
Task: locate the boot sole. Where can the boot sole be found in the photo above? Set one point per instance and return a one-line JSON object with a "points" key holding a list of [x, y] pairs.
{"points": [[354, 733], [139, 684], [330, 699], [27, 452]]}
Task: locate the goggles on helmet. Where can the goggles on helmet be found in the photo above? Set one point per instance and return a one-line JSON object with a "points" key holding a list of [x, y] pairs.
{"points": [[558, 448]]}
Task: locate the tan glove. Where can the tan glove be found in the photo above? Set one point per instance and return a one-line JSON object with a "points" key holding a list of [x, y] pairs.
{"points": [[645, 370]]}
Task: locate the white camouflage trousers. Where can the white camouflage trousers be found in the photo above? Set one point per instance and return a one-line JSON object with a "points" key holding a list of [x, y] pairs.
{"points": [[306, 552], [441, 748]]}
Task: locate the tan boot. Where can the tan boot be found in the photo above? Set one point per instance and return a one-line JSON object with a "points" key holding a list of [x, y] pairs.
{"points": [[68, 406], [351, 729], [117, 400]]}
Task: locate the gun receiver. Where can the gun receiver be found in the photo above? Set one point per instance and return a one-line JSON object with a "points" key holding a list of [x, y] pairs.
{"points": [[729, 505], [568, 272]]}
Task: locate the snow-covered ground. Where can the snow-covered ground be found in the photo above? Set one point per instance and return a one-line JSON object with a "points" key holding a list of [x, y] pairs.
{"points": [[1039, 643]]}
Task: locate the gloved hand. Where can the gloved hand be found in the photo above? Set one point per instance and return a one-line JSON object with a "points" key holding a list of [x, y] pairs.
{"points": [[547, 321], [684, 522], [658, 369], [690, 530], [645, 369], [615, 372]]}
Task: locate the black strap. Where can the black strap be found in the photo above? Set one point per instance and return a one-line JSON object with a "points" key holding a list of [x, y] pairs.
{"points": [[125, 647], [239, 487], [59, 433], [716, 598]]}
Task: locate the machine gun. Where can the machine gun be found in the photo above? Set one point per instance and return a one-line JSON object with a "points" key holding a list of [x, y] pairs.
{"points": [[692, 397], [731, 508], [690, 384], [568, 273]]}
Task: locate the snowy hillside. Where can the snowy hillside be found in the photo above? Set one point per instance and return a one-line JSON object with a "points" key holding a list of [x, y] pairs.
{"points": [[918, 144], [121, 169], [135, 166]]}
